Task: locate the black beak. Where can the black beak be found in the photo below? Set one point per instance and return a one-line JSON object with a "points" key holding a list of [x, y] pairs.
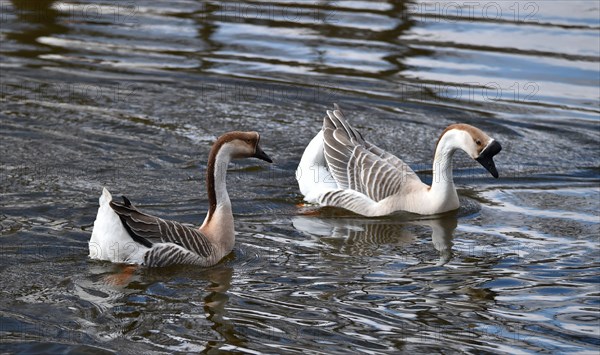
{"points": [[486, 157], [261, 155]]}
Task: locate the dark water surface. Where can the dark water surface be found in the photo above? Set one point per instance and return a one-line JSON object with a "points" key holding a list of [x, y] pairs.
{"points": [[130, 95]]}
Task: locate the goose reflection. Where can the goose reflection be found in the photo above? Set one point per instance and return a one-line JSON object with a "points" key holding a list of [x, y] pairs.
{"points": [[215, 301], [354, 235], [110, 287], [214, 306]]}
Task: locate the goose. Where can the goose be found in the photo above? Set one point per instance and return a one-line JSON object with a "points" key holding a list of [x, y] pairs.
{"points": [[339, 168], [124, 234]]}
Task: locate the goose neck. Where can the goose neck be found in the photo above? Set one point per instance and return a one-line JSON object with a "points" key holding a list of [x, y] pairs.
{"points": [[216, 178], [442, 166]]}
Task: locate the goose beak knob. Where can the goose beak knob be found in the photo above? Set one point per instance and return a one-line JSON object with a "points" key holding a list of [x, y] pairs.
{"points": [[260, 154], [486, 157]]}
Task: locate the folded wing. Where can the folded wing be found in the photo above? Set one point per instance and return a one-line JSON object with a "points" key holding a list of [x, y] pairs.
{"points": [[359, 165], [146, 230]]}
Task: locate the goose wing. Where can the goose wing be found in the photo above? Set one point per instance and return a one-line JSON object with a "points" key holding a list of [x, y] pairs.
{"points": [[146, 229], [165, 254], [359, 165]]}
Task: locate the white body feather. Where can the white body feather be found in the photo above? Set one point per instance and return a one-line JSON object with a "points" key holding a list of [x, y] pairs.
{"points": [[313, 177], [110, 240]]}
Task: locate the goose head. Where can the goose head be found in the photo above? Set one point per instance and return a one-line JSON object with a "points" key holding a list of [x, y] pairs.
{"points": [[241, 145], [473, 141]]}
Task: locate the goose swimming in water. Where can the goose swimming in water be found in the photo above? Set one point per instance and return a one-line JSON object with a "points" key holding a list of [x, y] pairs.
{"points": [[123, 234], [340, 168]]}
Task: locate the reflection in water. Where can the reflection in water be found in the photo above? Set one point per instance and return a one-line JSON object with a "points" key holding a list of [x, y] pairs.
{"points": [[363, 236], [146, 289], [206, 30], [214, 305], [43, 19]]}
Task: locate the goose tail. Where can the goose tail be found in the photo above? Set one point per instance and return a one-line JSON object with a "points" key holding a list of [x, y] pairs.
{"points": [[312, 174], [110, 240], [105, 198]]}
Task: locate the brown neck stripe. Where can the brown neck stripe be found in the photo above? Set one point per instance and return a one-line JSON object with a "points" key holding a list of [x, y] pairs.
{"points": [[212, 160]]}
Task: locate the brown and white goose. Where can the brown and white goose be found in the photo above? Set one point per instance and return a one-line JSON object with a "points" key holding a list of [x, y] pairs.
{"points": [[340, 168], [124, 234]]}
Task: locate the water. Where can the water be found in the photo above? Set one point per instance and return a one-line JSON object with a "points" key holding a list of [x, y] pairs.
{"points": [[130, 95]]}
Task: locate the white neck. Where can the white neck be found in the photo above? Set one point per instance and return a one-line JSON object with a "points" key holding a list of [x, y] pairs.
{"points": [[442, 186], [218, 225], [221, 164]]}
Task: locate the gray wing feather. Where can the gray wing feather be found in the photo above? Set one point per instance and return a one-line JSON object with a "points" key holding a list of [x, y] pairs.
{"points": [[337, 153], [390, 158], [165, 254], [144, 227], [349, 199], [359, 165]]}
